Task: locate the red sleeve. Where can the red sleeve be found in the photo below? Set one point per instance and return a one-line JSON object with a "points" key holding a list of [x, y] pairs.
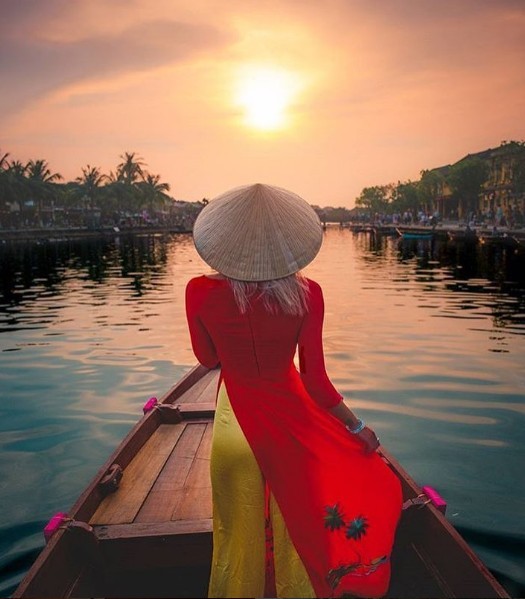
{"points": [[311, 355], [201, 342]]}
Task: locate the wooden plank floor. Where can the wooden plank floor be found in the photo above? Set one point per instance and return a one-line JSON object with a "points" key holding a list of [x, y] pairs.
{"points": [[166, 499], [204, 391], [169, 478]]}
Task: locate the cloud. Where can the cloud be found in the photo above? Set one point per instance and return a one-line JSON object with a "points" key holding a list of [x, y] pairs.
{"points": [[23, 16], [389, 48], [33, 67]]}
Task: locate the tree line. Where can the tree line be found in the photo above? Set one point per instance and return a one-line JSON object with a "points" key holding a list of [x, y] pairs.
{"points": [[32, 194], [465, 180], [461, 183]]}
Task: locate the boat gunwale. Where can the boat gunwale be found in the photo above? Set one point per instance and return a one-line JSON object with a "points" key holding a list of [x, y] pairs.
{"points": [[89, 500], [411, 490]]}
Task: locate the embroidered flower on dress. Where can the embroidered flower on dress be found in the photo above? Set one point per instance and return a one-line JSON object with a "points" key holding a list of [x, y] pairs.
{"points": [[334, 518], [353, 530], [357, 528]]}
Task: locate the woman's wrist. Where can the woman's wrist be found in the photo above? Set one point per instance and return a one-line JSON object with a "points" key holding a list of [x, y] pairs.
{"points": [[343, 413]]}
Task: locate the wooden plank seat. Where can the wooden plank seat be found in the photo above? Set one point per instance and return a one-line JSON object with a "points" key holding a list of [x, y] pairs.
{"points": [[161, 514], [160, 518], [167, 480]]}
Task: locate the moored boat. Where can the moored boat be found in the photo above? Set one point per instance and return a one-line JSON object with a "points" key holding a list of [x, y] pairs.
{"points": [[414, 233], [143, 527]]}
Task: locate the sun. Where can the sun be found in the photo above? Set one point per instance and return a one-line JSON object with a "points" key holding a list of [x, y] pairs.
{"points": [[265, 94]]}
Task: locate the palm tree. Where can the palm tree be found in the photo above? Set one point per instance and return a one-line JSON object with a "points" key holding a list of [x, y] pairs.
{"points": [[119, 195], [123, 182], [13, 183], [38, 170], [17, 170], [153, 191], [90, 182], [131, 168], [88, 189], [41, 180], [3, 161]]}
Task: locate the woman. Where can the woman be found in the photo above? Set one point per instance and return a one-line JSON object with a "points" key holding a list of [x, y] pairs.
{"points": [[290, 461]]}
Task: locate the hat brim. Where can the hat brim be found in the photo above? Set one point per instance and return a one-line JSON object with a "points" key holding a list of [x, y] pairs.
{"points": [[258, 233]]}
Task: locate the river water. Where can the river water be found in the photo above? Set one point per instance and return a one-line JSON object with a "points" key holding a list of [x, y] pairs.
{"points": [[426, 340]]}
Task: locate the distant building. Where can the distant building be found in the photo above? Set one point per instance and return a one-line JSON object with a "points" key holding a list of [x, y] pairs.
{"points": [[445, 203], [503, 190]]}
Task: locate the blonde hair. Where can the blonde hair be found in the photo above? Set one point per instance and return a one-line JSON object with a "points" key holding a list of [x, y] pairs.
{"points": [[289, 294]]}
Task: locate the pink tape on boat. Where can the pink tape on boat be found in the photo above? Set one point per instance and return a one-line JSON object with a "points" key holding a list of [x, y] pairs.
{"points": [[437, 501], [54, 524], [150, 404]]}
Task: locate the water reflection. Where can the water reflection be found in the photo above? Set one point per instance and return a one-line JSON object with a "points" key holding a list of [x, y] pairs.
{"points": [[484, 280], [425, 339], [29, 271], [465, 260], [98, 274]]}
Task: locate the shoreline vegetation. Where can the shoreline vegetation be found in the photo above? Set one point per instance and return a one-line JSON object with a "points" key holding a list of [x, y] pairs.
{"points": [[482, 189]]}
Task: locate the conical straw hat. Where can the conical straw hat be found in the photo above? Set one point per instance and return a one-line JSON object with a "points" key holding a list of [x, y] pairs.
{"points": [[257, 233]]}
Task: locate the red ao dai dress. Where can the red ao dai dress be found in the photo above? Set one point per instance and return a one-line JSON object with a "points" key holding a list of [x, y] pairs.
{"points": [[333, 509]]}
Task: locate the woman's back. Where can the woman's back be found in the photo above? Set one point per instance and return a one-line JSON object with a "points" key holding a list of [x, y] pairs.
{"points": [[255, 345], [300, 448]]}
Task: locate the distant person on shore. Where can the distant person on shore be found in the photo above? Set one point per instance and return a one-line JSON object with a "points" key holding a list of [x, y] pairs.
{"points": [[303, 506], [499, 216]]}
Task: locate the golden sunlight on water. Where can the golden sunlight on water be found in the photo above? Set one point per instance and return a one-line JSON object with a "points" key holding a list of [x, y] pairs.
{"points": [[406, 352]]}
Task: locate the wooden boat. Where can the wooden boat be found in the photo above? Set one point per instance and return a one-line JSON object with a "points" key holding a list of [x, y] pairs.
{"points": [[414, 233], [143, 527], [374, 228]]}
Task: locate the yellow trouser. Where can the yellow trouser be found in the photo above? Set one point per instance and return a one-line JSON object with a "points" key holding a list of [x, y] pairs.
{"points": [[239, 550]]}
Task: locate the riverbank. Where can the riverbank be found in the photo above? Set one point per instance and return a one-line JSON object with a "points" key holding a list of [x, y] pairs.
{"points": [[63, 234], [451, 231]]}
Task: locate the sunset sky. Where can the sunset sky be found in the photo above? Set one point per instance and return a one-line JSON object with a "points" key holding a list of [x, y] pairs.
{"points": [[323, 98]]}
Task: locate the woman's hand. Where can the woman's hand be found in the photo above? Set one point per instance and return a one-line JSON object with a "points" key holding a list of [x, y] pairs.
{"points": [[366, 435], [369, 439]]}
